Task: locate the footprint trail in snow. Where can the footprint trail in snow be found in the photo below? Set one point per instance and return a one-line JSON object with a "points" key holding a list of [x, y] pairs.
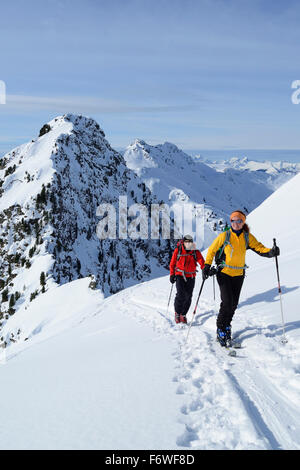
{"points": [[228, 403]]}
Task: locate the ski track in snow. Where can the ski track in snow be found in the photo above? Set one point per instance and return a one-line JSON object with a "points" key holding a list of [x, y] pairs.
{"points": [[229, 403]]}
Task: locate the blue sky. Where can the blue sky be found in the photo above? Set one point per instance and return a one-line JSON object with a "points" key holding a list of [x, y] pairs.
{"points": [[203, 74]]}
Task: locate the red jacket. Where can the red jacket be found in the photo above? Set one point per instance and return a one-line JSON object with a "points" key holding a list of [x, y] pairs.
{"points": [[186, 264]]}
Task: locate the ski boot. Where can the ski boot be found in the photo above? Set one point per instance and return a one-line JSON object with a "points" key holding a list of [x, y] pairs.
{"points": [[221, 337], [183, 319], [228, 336], [177, 318]]}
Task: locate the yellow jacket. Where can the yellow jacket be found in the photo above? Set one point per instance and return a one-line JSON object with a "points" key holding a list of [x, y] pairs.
{"points": [[235, 253]]}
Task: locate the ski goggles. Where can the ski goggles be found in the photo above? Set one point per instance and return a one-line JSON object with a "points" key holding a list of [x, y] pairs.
{"points": [[237, 221]]}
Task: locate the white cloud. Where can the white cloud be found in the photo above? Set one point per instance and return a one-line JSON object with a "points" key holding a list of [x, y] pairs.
{"points": [[24, 103]]}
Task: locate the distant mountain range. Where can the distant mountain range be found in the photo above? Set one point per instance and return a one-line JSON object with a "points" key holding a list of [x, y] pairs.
{"points": [[274, 174]]}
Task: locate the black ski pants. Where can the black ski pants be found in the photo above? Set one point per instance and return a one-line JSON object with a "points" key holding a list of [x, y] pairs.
{"points": [[230, 289], [184, 294]]}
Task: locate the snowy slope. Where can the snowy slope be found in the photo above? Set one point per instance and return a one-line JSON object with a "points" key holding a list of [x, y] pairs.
{"points": [[119, 373], [87, 377]]}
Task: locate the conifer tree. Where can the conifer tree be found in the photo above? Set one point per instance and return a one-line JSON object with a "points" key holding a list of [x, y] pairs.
{"points": [[12, 302], [43, 281]]}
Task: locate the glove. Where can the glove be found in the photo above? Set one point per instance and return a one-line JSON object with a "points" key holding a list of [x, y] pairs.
{"points": [[172, 278], [213, 271], [274, 252], [206, 272]]}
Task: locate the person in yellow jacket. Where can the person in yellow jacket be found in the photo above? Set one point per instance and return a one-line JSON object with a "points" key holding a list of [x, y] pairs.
{"points": [[231, 270]]}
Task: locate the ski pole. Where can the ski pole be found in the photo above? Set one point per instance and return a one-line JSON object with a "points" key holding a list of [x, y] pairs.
{"points": [[169, 298], [213, 272], [284, 340], [194, 312]]}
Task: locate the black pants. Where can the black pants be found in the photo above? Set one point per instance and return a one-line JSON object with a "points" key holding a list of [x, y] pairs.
{"points": [[230, 289], [184, 294]]}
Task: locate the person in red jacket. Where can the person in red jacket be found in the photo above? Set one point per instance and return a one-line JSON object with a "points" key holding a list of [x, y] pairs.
{"points": [[183, 271]]}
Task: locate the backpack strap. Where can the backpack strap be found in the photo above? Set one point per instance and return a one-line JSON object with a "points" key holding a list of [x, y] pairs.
{"points": [[179, 253], [246, 235], [179, 246], [227, 242]]}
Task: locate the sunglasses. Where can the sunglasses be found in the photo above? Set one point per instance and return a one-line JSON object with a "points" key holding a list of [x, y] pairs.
{"points": [[236, 221]]}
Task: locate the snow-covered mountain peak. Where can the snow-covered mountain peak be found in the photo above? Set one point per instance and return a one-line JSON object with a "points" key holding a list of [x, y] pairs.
{"points": [[139, 143], [234, 161], [137, 157], [51, 189], [65, 140], [172, 155], [168, 147], [79, 123], [140, 156]]}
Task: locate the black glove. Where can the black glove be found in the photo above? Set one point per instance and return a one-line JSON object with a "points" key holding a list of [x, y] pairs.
{"points": [[172, 278], [206, 272], [274, 252], [213, 271]]}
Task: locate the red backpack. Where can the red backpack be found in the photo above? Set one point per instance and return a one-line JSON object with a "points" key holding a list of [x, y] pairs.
{"points": [[179, 255]]}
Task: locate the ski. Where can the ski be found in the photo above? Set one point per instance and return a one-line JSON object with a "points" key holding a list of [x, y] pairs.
{"points": [[231, 351], [231, 348]]}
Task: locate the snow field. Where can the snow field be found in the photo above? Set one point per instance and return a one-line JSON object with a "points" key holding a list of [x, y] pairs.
{"points": [[229, 403]]}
